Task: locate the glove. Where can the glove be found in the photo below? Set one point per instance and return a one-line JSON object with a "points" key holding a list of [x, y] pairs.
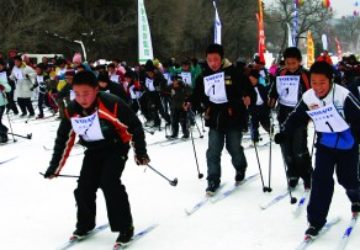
{"points": [[50, 173], [142, 159], [1, 88], [279, 138]]}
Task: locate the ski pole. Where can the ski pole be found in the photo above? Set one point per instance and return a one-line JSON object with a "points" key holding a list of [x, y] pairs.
{"points": [[200, 175], [11, 129], [260, 170], [192, 116], [172, 182], [28, 136], [293, 199], [272, 127], [62, 175]]}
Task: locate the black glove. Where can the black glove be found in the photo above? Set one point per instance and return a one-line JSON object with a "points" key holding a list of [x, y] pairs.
{"points": [[50, 172], [142, 159], [279, 138]]}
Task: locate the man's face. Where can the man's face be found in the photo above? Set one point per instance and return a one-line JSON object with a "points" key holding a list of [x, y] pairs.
{"points": [[214, 61], [320, 84], [292, 64], [253, 80], [69, 79], [85, 95], [150, 74], [18, 63], [38, 71], [103, 84], [111, 70], [185, 67]]}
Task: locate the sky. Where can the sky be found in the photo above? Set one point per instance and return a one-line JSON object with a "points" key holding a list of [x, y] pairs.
{"points": [[341, 7]]}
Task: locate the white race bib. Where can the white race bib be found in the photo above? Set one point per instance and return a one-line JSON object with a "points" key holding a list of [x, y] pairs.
{"points": [[88, 127], [39, 79], [214, 88], [133, 93], [149, 83], [18, 73], [186, 77], [114, 78], [3, 77], [328, 120], [72, 95], [259, 100], [288, 90], [168, 78]]}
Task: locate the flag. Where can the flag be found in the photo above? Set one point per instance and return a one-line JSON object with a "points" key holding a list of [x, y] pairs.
{"points": [[290, 39], [295, 23], [261, 34], [217, 26], [144, 35], [325, 43], [326, 3], [300, 3], [310, 50], [338, 48]]}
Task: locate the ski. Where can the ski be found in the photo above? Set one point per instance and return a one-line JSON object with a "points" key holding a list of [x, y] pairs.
{"points": [[302, 203], [74, 240], [9, 159], [202, 202], [233, 189], [137, 236], [345, 238], [274, 201], [308, 240]]}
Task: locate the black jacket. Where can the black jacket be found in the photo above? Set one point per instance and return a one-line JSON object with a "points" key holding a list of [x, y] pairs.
{"points": [[118, 131], [232, 114], [116, 89]]}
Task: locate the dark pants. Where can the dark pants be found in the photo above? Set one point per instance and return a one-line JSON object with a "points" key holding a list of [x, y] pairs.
{"points": [[155, 107], [259, 115], [346, 164], [3, 128], [102, 169], [41, 100], [217, 139], [11, 103], [180, 116], [26, 106], [296, 155]]}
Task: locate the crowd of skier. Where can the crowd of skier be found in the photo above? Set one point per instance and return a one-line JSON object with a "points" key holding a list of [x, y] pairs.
{"points": [[112, 106]]}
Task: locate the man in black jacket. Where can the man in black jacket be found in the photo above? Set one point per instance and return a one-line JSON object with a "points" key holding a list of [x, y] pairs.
{"points": [[106, 126], [105, 84], [224, 94]]}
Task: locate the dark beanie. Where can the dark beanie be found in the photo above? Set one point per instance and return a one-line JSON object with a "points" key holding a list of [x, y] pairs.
{"points": [[103, 77]]}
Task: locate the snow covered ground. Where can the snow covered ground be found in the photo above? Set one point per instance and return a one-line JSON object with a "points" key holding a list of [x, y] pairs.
{"points": [[40, 214]]}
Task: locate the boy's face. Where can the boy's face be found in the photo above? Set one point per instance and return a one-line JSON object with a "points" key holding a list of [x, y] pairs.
{"points": [[85, 95], [185, 67], [38, 71], [253, 80], [292, 64], [214, 61], [320, 84], [176, 84]]}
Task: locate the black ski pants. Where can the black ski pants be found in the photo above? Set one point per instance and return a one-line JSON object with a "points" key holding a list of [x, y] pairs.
{"points": [[102, 168]]}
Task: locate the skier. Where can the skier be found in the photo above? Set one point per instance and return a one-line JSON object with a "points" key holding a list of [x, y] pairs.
{"points": [[259, 110], [105, 125], [4, 87], [224, 97], [290, 84], [336, 115], [180, 92], [41, 83], [24, 77]]}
